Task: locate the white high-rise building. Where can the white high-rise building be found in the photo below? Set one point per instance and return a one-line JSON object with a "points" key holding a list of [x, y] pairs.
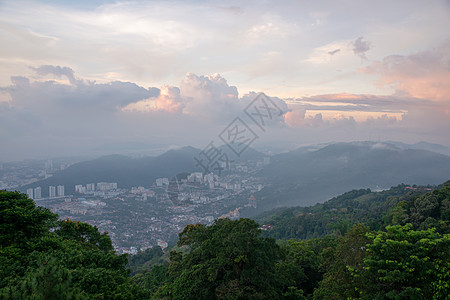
{"points": [[37, 193], [51, 191], [30, 193], [90, 187], [78, 188], [60, 190], [106, 186]]}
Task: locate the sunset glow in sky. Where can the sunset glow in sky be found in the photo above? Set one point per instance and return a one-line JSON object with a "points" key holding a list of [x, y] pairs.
{"points": [[75, 75]]}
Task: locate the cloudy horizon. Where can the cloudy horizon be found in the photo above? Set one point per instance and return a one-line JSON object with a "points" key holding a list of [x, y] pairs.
{"points": [[76, 77]]}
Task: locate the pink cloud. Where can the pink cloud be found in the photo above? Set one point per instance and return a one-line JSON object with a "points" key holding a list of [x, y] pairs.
{"points": [[423, 75], [169, 100], [295, 118]]}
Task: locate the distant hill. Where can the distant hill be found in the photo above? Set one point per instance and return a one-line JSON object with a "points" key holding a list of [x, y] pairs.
{"points": [[126, 171], [249, 154], [308, 175], [423, 146], [129, 172]]}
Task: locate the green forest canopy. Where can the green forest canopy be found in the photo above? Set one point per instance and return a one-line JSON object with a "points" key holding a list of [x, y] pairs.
{"points": [[360, 245]]}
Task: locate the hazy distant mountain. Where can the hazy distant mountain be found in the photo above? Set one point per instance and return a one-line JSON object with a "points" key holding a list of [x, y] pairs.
{"points": [[116, 146], [423, 146], [248, 154], [128, 172], [307, 176]]}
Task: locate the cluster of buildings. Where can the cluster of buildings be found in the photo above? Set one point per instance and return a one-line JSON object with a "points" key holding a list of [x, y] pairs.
{"points": [[141, 217], [53, 192], [91, 187], [144, 216], [100, 189], [14, 175]]}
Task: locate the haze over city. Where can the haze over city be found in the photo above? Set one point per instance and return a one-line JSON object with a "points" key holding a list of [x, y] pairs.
{"points": [[92, 77]]}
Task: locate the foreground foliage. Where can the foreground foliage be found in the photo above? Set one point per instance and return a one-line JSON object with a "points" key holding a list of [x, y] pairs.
{"points": [[43, 258], [400, 263], [390, 246], [228, 260]]}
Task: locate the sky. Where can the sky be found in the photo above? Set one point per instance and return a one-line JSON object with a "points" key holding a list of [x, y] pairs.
{"points": [[91, 77]]}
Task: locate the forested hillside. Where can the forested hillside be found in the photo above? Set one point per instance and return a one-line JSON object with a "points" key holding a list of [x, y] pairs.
{"points": [[396, 206], [361, 245]]}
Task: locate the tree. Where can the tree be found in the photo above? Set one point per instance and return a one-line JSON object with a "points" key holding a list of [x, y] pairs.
{"points": [[151, 280], [300, 269], [41, 258], [403, 263], [21, 220], [49, 281], [340, 262], [227, 260], [85, 234], [424, 207], [144, 260]]}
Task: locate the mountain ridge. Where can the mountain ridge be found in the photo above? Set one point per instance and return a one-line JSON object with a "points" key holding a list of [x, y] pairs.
{"points": [[129, 172], [307, 177]]}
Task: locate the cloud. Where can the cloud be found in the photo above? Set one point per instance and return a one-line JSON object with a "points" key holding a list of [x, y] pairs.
{"points": [[68, 116], [424, 75], [41, 108], [48, 111], [381, 120], [333, 52], [265, 31], [329, 123], [210, 97], [28, 35], [141, 40], [265, 110], [169, 100], [207, 87], [364, 102], [328, 53], [38, 94], [57, 71], [372, 111], [360, 47], [359, 103], [230, 9], [295, 118]]}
